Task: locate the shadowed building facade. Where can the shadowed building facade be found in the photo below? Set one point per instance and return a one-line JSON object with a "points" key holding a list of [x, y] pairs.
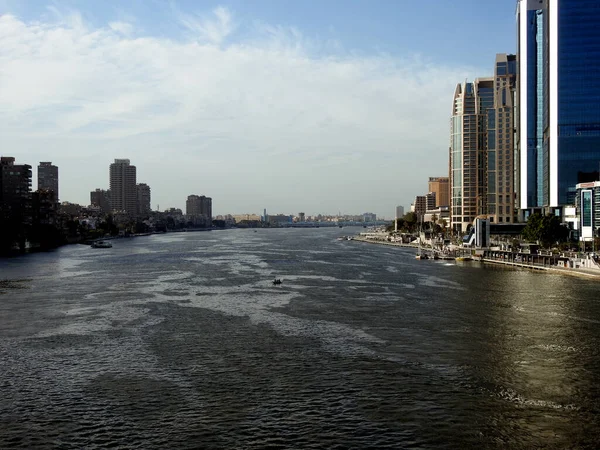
{"points": [[123, 189], [15, 201], [559, 101], [143, 199], [198, 208], [48, 178]]}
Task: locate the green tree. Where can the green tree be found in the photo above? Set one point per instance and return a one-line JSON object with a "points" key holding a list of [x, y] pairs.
{"points": [[546, 230], [410, 220]]}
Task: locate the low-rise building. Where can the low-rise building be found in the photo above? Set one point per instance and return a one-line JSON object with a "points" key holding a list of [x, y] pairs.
{"points": [[588, 209]]}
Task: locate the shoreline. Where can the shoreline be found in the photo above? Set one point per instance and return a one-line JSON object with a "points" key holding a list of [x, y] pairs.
{"points": [[585, 273]]}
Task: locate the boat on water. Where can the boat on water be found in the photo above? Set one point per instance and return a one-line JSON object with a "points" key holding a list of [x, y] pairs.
{"points": [[101, 244], [420, 253], [464, 258], [277, 281]]}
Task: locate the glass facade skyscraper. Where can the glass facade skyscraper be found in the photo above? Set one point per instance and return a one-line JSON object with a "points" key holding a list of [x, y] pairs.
{"points": [[468, 151], [559, 100]]}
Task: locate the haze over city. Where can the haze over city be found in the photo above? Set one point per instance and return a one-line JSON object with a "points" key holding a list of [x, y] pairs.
{"points": [[291, 106]]}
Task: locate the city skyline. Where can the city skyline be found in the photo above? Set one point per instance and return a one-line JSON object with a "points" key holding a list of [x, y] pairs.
{"points": [[295, 110]]}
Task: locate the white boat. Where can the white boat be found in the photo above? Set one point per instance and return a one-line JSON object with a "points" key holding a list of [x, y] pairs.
{"points": [[101, 244]]}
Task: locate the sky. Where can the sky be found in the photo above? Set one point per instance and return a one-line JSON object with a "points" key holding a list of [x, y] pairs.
{"points": [[324, 107]]}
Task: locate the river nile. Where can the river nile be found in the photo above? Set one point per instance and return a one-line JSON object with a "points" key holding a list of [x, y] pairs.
{"points": [[181, 341]]}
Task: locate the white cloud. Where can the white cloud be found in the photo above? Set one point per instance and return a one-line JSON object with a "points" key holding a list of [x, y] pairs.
{"points": [[121, 27], [263, 122], [213, 29]]}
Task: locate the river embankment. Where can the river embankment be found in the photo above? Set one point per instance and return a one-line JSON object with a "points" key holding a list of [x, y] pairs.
{"points": [[573, 271]]}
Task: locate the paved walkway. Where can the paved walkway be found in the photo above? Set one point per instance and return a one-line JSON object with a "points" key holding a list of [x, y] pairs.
{"points": [[587, 273]]}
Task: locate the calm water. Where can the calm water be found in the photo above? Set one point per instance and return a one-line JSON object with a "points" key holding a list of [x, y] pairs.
{"points": [[181, 341]]}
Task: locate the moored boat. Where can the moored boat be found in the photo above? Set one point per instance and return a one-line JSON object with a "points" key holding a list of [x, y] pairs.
{"points": [[101, 244]]}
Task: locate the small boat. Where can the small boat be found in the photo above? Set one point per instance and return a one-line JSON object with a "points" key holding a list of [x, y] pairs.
{"points": [[422, 256], [464, 258], [101, 244], [277, 281]]}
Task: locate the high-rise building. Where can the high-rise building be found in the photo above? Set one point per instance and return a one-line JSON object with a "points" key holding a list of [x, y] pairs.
{"points": [[123, 188], [143, 199], [15, 198], [559, 100], [48, 178], [468, 145], [441, 187], [430, 201], [501, 143], [101, 198], [199, 209], [419, 207], [399, 212]]}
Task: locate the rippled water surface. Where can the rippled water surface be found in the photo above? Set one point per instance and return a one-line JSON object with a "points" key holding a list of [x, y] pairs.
{"points": [[181, 341]]}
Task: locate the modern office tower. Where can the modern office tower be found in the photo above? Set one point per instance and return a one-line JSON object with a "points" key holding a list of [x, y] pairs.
{"points": [[15, 197], [101, 198], [123, 190], [199, 207], [301, 217], [399, 212], [468, 145], [143, 199], [48, 178], [441, 187], [559, 100], [501, 143]]}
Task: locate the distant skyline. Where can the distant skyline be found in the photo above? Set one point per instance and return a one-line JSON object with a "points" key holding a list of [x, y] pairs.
{"points": [[291, 106]]}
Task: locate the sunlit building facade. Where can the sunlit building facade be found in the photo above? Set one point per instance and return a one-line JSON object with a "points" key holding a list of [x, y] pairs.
{"points": [[440, 186], [468, 146], [501, 195]]}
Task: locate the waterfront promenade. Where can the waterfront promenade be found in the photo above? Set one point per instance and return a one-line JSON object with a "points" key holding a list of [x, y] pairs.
{"points": [[545, 263]]}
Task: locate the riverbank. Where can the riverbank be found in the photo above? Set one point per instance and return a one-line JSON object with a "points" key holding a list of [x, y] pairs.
{"points": [[579, 272]]}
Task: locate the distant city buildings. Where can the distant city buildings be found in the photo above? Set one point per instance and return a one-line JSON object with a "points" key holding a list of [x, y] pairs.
{"points": [[369, 217], [198, 209], [419, 207], [440, 186], [48, 178], [143, 199], [15, 196], [430, 201], [101, 199], [123, 187], [244, 218], [399, 212]]}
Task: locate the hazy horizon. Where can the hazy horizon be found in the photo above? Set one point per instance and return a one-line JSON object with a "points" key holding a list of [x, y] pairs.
{"points": [[317, 107]]}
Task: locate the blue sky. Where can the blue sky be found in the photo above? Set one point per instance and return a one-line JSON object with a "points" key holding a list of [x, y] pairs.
{"points": [[294, 106]]}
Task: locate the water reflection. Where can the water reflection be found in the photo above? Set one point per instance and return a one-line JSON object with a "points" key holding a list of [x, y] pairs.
{"points": [[172, 340]]}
